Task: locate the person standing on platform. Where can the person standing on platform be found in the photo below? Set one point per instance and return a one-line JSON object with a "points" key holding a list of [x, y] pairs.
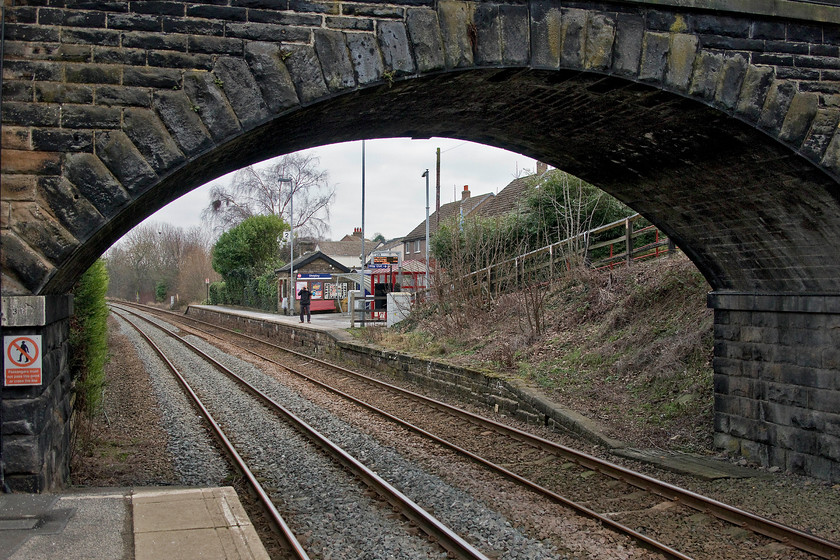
{"points": [[305, 297]]}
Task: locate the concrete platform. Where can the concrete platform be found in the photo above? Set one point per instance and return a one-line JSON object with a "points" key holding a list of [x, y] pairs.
{"points": [[128, 523], [320, 321]]}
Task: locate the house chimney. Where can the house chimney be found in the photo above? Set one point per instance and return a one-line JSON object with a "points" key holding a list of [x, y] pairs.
{"points": [[357, 232], [541, 167], [465, 194]]}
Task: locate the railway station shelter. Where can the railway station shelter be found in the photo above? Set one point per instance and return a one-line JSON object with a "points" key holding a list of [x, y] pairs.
{"points": [[321, 275]]}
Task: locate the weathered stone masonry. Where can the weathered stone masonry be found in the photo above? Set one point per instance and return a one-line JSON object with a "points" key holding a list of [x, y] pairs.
{"points": [[777, 380], [720, 126], [36, 420]]}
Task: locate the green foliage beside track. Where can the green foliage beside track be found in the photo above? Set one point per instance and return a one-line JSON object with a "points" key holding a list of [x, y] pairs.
{"points": [[89, 338]]}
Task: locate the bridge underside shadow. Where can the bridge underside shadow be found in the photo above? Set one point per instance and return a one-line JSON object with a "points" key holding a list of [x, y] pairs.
{"points": [[750, 213]]}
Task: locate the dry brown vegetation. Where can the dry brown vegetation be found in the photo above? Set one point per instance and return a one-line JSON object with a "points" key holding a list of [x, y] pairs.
{"points": [[630, 347]]}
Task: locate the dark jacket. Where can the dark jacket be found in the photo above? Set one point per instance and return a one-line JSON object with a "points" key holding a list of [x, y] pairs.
{"points": [[305, 295]]}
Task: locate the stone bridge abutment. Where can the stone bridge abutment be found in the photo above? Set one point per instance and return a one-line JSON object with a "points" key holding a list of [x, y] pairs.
{"points": [[719, 125]]}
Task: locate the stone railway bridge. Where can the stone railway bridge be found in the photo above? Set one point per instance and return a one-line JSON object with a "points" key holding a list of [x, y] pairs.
{"points": [[717, 120]]}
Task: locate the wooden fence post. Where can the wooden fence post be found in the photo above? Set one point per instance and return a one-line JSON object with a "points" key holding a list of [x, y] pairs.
{"points": [[628, 242]]}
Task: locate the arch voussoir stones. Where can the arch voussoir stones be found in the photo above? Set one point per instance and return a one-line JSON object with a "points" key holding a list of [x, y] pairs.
{"points": [[719, 125]]}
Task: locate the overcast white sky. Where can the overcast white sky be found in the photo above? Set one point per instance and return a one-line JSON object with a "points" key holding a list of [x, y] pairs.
{"points": [[395, 192]]}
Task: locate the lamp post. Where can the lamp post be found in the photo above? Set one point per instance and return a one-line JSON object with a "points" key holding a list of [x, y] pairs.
{"points": [[426, 175], [290, 309]]}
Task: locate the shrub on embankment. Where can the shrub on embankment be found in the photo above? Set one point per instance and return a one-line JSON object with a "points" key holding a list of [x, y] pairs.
{"points": [[629, 347], [89, 338]]}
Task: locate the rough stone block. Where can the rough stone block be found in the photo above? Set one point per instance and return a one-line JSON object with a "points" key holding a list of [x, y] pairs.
{"points": [[39, 229], [171, 59], [185, 126], [125, 161], [269, 32], [31, 163], [424, 30], [488, 39], [31, 114], [21, 455], [93, 74], [600, 37], [825, 400], [776, 106], [125, 96], [334, 57], [74, 212], [17, 138], [272, 76], [704, 81], [515, 33], [193, 26], [365, 56], [304, 68], [727, 443], [149, 135], [573, 29], [394, 46], [30, 270], [155, 41], [28, 70], [100, 37], [458, 31], [350, 24], [819, 136], [127, 57], [86, 116], [242, 91], [57, 92], [216, 45], [134, 22], [95, 182], [800, 115], [18, 187], [681, 61], [160, 78], [754, 92], [732, 78], [211, 105], [654, 56], [755, 452]]}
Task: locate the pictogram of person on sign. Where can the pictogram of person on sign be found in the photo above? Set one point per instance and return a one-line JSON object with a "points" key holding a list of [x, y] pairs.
{"points": [[23, 350]]}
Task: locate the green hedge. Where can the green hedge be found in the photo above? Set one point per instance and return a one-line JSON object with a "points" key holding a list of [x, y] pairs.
{"points": [[89, 338]]}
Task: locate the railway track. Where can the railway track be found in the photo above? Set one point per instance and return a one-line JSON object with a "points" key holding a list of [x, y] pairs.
{"points": [[456, 546], [652, 512]]}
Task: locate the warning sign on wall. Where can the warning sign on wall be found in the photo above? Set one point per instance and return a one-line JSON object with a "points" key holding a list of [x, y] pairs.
{"points": [[22, 360]]}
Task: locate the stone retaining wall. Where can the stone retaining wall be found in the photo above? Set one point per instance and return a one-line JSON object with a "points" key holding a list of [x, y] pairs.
{"points": [[505, 396]]}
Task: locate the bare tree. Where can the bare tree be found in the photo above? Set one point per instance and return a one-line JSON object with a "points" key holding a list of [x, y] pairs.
{"points": [[258, 191]]}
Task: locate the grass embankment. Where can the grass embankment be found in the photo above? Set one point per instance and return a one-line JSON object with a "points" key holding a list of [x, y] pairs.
{"points": [[630, 347]]}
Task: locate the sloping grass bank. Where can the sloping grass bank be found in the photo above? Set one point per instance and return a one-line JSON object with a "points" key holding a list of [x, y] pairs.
{"points": [[630, 347]]}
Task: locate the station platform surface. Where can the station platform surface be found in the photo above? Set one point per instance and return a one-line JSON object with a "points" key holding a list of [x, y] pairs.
{"points": [[128, 523], [320, 321]]}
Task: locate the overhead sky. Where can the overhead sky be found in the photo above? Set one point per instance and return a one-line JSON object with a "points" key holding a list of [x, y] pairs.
{"points": [[395, 192]]}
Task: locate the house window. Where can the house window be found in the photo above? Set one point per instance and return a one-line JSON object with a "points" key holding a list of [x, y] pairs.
{"points": [[417, 246], [407, 247]]}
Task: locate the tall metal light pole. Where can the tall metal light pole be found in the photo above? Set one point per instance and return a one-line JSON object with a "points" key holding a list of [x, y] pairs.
{"points": [[426, 175], [290, 308]]}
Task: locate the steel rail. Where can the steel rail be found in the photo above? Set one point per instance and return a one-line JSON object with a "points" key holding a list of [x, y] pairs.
{"points": [[790, 536], [430, 525], [274, 515], [604, 520]]}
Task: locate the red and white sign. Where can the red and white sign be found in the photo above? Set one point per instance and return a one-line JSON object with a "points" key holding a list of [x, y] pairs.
{"points": [[22, 360]]}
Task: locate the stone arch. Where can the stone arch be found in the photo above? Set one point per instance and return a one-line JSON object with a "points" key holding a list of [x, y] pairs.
{"points": [[720, 126], [99, 140]]}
